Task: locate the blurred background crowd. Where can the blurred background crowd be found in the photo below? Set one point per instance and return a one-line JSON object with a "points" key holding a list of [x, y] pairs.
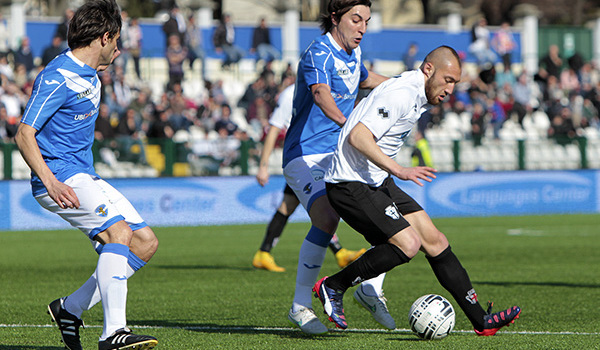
{"points": [[216, 121]]}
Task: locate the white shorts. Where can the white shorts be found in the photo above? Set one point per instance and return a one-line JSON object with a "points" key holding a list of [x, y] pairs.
{"points": [[305, 176], [100, 206]]}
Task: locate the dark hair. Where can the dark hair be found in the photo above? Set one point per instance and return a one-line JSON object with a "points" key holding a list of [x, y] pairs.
{"points": [[92, 20], [339, 7]]}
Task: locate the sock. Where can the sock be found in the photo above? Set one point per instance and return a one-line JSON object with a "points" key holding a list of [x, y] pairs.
{"points": [[112, 283], [312, 254], [274, 230], [455, 279], [88, 294], [373, 286], [371, 264], [334, 244]]}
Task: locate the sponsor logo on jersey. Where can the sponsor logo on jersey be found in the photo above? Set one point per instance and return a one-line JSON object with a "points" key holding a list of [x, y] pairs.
{"points": [[320, 53], [317, 174], [84, 94], [85, 116], [392, 212], [344, 96], [51, 82], [471, 296], [308, 188], [102, 210]]}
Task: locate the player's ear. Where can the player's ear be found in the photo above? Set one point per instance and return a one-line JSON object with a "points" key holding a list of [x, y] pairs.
{"points": [[334, 19], [428, 69]]}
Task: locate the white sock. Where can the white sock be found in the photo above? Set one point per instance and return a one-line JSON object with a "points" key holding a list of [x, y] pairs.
{"points": [[374, 286], [112, 282], [311, 257], [87, 295]]}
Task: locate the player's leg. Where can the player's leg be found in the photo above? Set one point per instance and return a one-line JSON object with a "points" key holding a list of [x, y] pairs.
{"points": [[305, 176], [454, 278], [372, 213], [263, 258]]}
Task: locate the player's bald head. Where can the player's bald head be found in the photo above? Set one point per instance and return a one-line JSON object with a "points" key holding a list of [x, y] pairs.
{"points": [[442, 56]]}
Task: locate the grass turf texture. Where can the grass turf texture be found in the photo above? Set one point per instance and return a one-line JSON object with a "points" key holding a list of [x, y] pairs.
{"points": [[201, 292]]}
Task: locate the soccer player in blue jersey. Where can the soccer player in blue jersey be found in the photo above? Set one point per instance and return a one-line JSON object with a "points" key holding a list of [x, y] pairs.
{"points": [[330, 73], [55, 138]]}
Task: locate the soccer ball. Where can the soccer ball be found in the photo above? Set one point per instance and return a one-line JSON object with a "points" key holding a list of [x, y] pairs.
{"points": [[431, 317]]}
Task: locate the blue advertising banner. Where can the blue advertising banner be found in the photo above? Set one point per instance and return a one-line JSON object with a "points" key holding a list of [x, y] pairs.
{"points": [[240, 200]]}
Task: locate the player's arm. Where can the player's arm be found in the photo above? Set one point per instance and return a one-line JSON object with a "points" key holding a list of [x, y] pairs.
{"points": [[62, 194], [372, 80], [362, 139], [323, 99], [263, 169]]}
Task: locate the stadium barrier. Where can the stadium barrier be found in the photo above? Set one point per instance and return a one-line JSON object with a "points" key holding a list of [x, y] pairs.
{"points": [[200, 201]]}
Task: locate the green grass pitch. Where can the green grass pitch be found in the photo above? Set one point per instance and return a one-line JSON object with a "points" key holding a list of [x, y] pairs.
{"points": [[201, 292]]}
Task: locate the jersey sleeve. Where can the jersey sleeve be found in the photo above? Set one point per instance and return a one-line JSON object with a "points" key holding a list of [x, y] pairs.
{"points": [[316, 65], [283, 112], [387, 107], [48, 95]]}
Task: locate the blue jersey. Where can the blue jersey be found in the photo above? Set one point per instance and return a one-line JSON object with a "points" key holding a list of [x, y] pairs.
{"points": [[63, 108], [324, 62]]}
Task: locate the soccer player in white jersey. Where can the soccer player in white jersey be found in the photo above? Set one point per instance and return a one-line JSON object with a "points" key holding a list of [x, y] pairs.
{"points": [[280, 121], [361, 189], [55, 138], [330, 73]]}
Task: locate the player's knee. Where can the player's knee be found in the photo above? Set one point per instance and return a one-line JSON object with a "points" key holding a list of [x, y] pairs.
{"points": [[434, 242], [408, 241]]}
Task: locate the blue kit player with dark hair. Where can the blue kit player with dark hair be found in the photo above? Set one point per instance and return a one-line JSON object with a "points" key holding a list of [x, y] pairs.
{"points": [[55, 138]]}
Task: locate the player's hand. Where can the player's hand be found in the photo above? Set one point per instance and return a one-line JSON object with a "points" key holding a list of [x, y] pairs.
{"points": [[414, 174], [262, 176], [63, 195]]}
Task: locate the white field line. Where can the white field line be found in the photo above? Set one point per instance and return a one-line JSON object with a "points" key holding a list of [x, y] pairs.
{"points": [[267, 329]]}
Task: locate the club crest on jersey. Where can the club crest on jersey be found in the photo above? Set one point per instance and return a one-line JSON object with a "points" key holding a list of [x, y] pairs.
{"points": [[471, 296], [308, 188], [317, 174], [102, 210], [392, 212]]}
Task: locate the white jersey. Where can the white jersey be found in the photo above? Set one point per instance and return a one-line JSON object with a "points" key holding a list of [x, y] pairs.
{"points": [[389, 112], [282, 115]]}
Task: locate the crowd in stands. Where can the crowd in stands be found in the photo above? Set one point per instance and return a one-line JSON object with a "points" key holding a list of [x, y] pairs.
{"points": [[565, 89]]}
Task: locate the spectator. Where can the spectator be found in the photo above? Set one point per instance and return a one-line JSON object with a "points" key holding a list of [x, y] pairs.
{"points": [[479, 120], [53, 50], [6, 72], [224, 42], [176, 54], [504, 43], [24, 55], [225, 122], [161, 127], [8, 126], [550, 64], [121, 90], [195, 45], [63, 27], [562, 129], [134, 44], [261, 43], [523, 96], [4, 37], [104, 134], [131, 147], [409, 59], [480, 44], [175, 25], [123, 43]]}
